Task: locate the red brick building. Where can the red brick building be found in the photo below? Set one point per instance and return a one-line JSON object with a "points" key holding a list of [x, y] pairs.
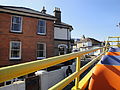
{"points": [[25, 35]]}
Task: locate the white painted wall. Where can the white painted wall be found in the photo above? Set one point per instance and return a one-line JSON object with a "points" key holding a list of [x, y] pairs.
{"points": [[19, 85], [69, 34], [48, 79], [97, 52], [87, 44], [61, 33]]}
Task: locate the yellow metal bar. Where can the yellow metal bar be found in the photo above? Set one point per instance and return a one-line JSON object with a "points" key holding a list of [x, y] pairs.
{"points": [[10, 72], [87, 66], [106, 45], [114, 37], [113, 41], [77, 70], [91, 62], [118, 41], [66, 81], [117, 37], [84, 82], [115, 45]]}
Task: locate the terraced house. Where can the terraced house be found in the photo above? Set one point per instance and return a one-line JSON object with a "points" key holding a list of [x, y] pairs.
{"points": [[25, 35]]}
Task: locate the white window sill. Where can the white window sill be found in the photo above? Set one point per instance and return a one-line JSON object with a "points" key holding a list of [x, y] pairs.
{"points": [[41, 33], [41, 57], [16, 31], [15, 58]]}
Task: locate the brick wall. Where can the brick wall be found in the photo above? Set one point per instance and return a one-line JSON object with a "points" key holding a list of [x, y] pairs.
{"points": [[28, 37]]}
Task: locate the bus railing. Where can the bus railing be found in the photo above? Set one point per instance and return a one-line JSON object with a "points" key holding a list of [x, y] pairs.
{"points": [[76, 75], [10, 72]]}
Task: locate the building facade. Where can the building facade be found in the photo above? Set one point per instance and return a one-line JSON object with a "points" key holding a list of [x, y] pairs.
{"points": [[62, 35], [25, 35]]}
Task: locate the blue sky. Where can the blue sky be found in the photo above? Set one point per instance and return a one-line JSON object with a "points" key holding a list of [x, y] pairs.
{"points": [[92, 18]]}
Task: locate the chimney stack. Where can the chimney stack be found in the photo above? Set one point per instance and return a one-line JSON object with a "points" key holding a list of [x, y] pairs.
{"points": [[57, 14], [43, 10]]}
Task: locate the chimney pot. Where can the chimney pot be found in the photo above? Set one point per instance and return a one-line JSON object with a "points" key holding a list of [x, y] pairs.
{"points": [[57, 9], [43, 10], [57, 14]]}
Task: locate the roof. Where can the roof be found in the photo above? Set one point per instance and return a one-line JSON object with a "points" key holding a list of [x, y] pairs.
{"points": [[64, 25], [89, 39], [23, 10]]}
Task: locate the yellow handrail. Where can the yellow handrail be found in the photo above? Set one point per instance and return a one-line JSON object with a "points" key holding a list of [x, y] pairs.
{"points": [[115, 37], [108, 41], [67, 80], [84, 81], [10, 72], [113, 41], [115, 45]]}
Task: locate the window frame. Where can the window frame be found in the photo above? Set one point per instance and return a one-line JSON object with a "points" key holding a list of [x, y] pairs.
{"points": [[40, 26], [44, 51], [11, 49], [12, 25]]}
